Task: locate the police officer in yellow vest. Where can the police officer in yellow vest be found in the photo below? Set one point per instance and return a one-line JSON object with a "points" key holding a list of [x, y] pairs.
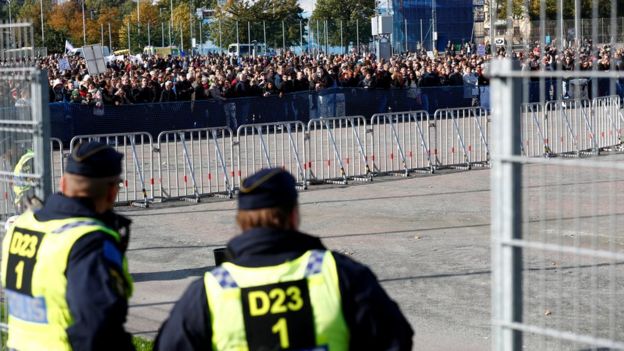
{"points": [[282, 289], [64, 269]]}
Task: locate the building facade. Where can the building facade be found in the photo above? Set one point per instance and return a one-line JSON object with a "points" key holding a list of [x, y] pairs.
{"points": [[416, 21]]}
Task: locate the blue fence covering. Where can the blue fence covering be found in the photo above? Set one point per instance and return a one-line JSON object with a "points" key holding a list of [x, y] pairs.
{"points": [[75, 119]]}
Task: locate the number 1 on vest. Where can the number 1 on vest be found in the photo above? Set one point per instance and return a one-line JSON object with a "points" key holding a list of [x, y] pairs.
{"points": [[281, 328], [19, 271]]}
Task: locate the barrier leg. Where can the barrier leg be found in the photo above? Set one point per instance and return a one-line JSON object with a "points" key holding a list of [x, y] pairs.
{"points": [[265, 149], [330, 134], [461, 142], [137, 167], [564, 114], [483, 137], [423, 143], [540, 132], [222, 164], [356, 135], [293, 147], [399, 147], [189, 164], [592, 134]]}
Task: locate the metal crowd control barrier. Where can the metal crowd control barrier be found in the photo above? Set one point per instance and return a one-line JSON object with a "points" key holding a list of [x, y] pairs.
{"points": [[138, 164], [608, 121], [570, 128], [195, 163], [263, 145], [461, 137], [534, 139], [57, 162], [337, 150], [401, 143]]}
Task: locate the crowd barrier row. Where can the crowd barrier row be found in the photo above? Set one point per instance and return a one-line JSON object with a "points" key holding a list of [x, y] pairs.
{"points": [[572, 127], [193, 163]]}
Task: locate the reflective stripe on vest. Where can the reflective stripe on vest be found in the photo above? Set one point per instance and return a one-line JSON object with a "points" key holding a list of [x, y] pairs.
{"points": [[295, 305], [34, 261]]}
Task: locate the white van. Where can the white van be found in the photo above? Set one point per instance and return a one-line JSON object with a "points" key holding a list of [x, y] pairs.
{"points": [[240, 50]]}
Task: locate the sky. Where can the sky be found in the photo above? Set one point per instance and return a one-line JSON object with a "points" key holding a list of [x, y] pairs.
{"points": [[307, 6]]}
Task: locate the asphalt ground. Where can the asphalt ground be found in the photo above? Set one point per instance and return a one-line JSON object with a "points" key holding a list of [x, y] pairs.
{"points": [[427, 238]]}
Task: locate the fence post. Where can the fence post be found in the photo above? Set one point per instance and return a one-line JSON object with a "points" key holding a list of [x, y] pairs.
{"points": [[506, 214], [357, 34], [41, 132]]}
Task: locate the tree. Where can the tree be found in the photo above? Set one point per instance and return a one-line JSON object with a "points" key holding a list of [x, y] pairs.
{"points": [[107, 16], [66, 19], [138, 29], [269, 14], [348, 12]]}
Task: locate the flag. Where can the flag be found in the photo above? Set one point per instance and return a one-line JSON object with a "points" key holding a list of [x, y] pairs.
{"points": [[68, 46]]}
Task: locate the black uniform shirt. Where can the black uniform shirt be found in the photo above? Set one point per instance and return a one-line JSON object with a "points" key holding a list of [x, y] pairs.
{"points": [[95, 295], [374, 320]]}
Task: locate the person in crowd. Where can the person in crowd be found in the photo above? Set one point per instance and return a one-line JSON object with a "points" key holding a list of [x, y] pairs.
{"points": [[168, 94]]}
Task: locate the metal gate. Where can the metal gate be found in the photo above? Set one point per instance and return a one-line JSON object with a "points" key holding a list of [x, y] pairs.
{"points": [[608, 121], [337, 150], [557, 250], [195, 163], [401, 143], [534, 139], [461, 137], [571, 128], [137, 164], [24, 129], [268, 145]]}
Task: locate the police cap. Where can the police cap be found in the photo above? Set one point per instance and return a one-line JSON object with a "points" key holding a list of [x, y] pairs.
{"points": [[94, 160], [269, 187]]}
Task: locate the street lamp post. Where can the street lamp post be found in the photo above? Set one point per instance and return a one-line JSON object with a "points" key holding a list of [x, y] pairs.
{"points": [[10, 23], [42, 29], [84, 25]]}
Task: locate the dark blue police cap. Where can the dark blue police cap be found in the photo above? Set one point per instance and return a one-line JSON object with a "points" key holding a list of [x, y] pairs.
{"points": [[269, 187], [94, 160]]}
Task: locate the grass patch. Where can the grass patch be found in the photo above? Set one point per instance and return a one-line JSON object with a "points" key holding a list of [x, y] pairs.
{"points": [[142, 344]]}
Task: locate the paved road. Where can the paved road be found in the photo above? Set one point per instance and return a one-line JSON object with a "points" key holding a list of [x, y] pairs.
{"points": [[426, 238]]}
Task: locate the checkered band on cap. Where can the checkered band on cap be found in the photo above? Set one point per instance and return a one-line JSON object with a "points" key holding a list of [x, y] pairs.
{"points": [[315, 262], [224, 278]]}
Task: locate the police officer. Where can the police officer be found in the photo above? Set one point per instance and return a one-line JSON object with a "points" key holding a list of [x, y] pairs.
{"points": [[282, 289], [64, 269]]}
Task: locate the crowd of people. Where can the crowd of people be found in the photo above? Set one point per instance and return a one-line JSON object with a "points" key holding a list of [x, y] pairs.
{"points": [[154, 79]]}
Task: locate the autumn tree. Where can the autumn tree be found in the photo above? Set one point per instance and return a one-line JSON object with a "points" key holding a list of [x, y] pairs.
{"points": [[140, 27], [351, 15], [66, 20]]}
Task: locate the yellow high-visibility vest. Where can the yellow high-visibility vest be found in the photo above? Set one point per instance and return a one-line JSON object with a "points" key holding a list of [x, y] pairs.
{"points": [[34, 260], [294, 305]]}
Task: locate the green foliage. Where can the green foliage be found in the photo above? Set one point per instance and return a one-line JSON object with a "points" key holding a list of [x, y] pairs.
{"points": [[261, 14], [142, 344], [347, 12]]}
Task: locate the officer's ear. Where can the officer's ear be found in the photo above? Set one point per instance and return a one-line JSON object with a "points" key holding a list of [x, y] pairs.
{"points": [[111, 194], [295, 219], [63, 184]]}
